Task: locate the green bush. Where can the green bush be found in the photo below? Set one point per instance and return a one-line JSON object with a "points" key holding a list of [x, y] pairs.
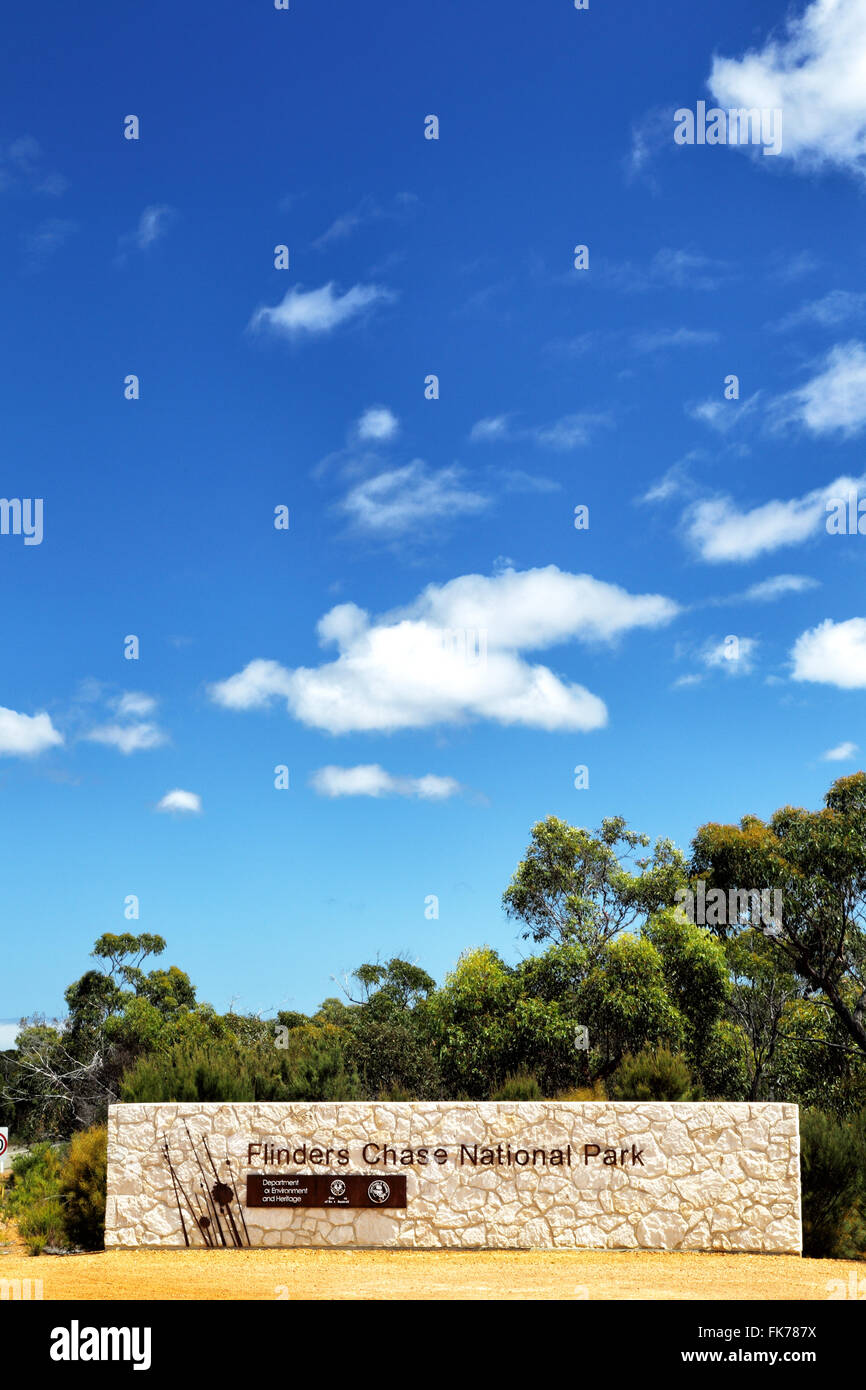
{"points": [[32, 1198], [520, 1086], [187, 1073], [82, 1187], [833, 1178], [313, 1067], [652, 1075]]}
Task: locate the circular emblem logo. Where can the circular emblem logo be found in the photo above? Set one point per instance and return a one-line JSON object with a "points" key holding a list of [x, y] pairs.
{"points": [[338, 1188], [4, 1143], [379, 1191]]}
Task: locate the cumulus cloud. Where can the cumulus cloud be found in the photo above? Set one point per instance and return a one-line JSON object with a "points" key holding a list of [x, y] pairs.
{"points": [[134, 704], [719, 531], [832, 654], [127, 738], [394, 501], [254, 686], [369, 779], [816, 73], [842, 753], [377, 424], [136, 732], [833, 401], [180, 802], [24, 735], [318, 311], [456, 653]]}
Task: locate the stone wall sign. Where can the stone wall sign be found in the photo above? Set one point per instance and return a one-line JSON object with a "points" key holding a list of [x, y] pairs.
{"points": [[465, 1175]]}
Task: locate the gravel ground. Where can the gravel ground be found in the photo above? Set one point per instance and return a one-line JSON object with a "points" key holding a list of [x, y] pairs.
{"points": [[380, 1274]]}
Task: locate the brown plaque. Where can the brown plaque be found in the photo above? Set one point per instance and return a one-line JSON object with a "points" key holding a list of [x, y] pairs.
{"points": [[326, 1190]]}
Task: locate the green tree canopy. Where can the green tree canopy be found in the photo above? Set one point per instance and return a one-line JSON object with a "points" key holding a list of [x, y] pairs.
{"points": [[817, 859], [584, 887]]}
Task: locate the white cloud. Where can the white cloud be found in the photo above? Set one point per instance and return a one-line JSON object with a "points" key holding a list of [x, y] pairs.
{"points": [[369, 779], [720, 532], [568, 432], [678, 267], [816, 74], [841, 753], [152, 225], [9, 1030], [394, 501], [722, 415], [674, 481], [137, 732], [127, 738], [832, 654], [412, 669], [833, 309], [22, 169], [835, 399], [571, 431], [672, 337], [343, 226], [518, 480], [134, 704], [788, 266], [318, 311], [492, 427], [24, 735], [181, 802], [254, 686], [780, 584], [735, 658], [368, 210], [682, 681], [377, 423], [832, 401]]}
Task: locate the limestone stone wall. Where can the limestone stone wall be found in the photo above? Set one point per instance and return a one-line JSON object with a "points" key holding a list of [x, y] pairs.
{"points": [[685, 1176]]}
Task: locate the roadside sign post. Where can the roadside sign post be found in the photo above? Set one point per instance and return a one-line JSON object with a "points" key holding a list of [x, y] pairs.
{"points": [[4, 1145]]}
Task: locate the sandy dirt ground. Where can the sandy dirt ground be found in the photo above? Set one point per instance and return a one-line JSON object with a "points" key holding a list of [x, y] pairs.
{"points": [[380, 1274]]}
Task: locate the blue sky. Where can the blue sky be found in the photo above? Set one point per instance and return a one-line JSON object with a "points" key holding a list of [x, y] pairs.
{"points": [[414, 771]]}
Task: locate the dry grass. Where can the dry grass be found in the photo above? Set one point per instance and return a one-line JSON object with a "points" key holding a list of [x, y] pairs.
{"points": [[380, 1274]]}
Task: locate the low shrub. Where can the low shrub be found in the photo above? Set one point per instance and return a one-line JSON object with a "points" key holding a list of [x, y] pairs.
{"points": [[653, 1075], [312, 1067], [82, 1187], [833, 1179], [32, 1198], [594, 1092], [519, 1086]]}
